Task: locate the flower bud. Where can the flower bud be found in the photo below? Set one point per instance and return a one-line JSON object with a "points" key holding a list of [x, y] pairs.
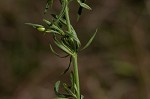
{"points": [[41, 29]]}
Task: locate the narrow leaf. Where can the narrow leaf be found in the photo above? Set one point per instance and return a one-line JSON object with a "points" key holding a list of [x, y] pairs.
{"points": [[80, 10], [64, 5], [75, 34], [54, 52], [62, 21], [84, 5], [34, 25], [70, 46], [72, 35], [62, 47], [54, 27], [47, 22], [68, 66], [52, 31], [90, 41]]}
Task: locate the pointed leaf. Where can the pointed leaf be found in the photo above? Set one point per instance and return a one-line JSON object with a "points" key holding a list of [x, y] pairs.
{"points": [[52, 31], [84, 5], [37, 26], [57, 29], [34, 25], [47, 22], [90, 41]]}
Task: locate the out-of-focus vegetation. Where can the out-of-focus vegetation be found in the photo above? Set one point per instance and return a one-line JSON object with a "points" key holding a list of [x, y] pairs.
{"points": [[116, 66]]}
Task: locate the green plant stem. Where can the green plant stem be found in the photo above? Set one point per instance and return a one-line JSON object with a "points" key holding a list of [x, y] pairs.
{"points": [[67, 17], [74, 56], [76, 74]]}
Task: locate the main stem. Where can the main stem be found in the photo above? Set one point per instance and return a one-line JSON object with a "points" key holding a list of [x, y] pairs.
{"points": [[74, 56], [76, 74]]}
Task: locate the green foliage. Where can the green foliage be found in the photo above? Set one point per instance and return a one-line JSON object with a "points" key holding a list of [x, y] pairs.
{"points": [[66, 39], [84, 5], [90, 41]]}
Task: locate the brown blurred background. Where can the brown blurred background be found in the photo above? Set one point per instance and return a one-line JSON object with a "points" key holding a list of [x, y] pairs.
{"points": [[115, 66]]}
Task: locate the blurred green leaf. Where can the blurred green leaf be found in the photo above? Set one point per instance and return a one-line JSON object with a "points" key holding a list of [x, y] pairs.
{"points": [[62, 47], [64, 5], [80, 10], [62, 21], [84, 5], [52, 31], [34, 25], [47, 22], [37, 26], [72, 35], [54, 27], [75, 35]]}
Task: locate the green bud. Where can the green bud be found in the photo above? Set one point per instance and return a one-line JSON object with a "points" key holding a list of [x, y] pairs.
{"points": [[41, 29]]}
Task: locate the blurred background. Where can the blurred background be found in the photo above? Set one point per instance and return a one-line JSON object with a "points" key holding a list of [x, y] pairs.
{"points": [[115, 66]]}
